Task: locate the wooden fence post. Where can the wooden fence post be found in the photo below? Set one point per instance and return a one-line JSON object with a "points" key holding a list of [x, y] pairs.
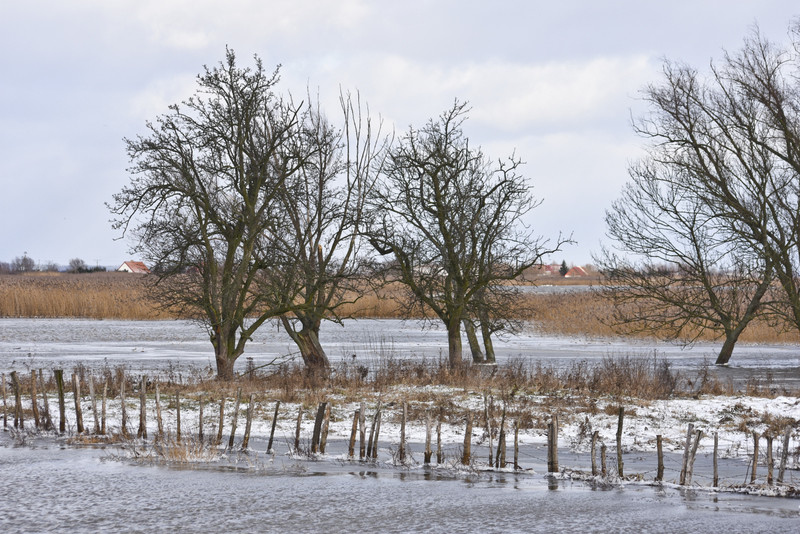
{"points": [[603, 459], [142, 431], [428, 430], [323, 439], [272, 430], [362, 432], [488, 404], [297, 429], [784, 454], [76, 394], [372, 443], [467, 456], [235, 420], [552, 445], [5, 405], [686, 449], [379, 416], [660, 454], [690, 466], [516, 445], [62, 412], [221, 419], [769, 460], [19, 418], [317, 433], [34, 400], [402, 451], [159, 420], [48, 421], [93, 399], [351, 450], [619, 442], [122, 402], [593, 449], [246, 438], [501, 441], [755, 457], [103, 413], [178, 416], [200, 433], [715, 477], [439, 454]]}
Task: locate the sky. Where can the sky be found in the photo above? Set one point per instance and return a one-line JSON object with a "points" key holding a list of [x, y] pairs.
{"points": [[555, 83]]}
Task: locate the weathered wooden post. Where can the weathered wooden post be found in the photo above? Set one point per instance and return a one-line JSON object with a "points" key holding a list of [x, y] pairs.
{"points": [[362, 431], [428, 431], [769, 459], [48, 421], [351, 450], [439, 454], [715, 477], [402, 451], [5, 405], [142, 431], [93, 399], [690, 465], [246, 438], [221, 419], [178, 416], [619, 442], [755, 457], [467, 456], [323, 439], [297, 429], [62, 412], [373, 427], [603, 459], [660, 453], [317, 433], [272, 430], [686, 449], [19, 418], [595, 435], [34, 400], [516, 445], [159, 420], [235, 418], [103, 414], [379, 415], [488, 405], [122, 402], [501, 441], [76, 394], [784, 454], [200, 433], [552, 445]]}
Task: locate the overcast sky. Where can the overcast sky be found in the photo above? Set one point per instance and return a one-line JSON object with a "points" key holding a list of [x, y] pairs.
{"points": [[556, 82]]}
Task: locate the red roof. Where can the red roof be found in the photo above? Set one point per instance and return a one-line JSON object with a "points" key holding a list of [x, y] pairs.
{"points": [[575, 271], [134, 267]]}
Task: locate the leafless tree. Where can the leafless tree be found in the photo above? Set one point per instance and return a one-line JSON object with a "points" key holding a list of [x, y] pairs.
{"points": [[77, 265], [203, 198], [452, 221], [723, 177]]}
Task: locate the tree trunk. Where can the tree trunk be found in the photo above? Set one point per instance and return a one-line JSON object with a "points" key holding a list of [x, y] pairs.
{"points": [[454, 343], [487, 342], [307, 341], [224, 366], [474, 346]]}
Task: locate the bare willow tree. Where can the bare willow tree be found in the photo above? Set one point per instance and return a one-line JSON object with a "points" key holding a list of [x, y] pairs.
{"points": [[323, 211], [452, 221], [723, 180], [203, 198]]}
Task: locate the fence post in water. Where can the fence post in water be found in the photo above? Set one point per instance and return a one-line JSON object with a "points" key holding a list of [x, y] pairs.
{"points": [[103, 414], [235, 418], [76, 394], [297, 430], [715, 477], [19, 418], [48, 421], [34, 400], [379, 416], [603, 459], [402, 452], [501, 441], [467, 456], [272, 430], [487, 414], [690, 465], [362, 431], [142, 432], [439, 455], [122, 402], [159, 420], [62, 422], [372, 443], [784, 454], [769, 459], [619, 441], [246, 438], [351, 449], [5, 405], [552, 445], [200, 434], [93, 400], [178, 416], [221, 419], [323, 439], [428, 430], [315, 436], [516, 445], [593, 449], [682, 479], [755, 457], [660, 452]]}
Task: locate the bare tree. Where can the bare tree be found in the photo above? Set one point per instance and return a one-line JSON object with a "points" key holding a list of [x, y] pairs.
{"points": [[323, 213], [203, 198], [77, 265], [723, 176], [23, 264], [451, 219]]}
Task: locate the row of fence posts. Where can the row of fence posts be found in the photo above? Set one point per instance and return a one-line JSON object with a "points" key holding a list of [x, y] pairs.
{"points": [[368, 448]]}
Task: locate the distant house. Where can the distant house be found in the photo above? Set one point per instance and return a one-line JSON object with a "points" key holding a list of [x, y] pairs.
{"points": [[576, 272], [136, 267]]}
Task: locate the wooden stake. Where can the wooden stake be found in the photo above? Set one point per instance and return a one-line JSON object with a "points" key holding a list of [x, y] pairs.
{"points": [[246, 438], [755, 457], [103, 414], [200, 434], [351, 450], [682, 480], [142, 432], [552, 445], [221, 419], [660, 453], [516, 445], [235, 418], [428, 431], [769, 460], [374, 455], [272, 430], [76, 395], [48, 421], [619, 442], [362, 432], [603, 459], [178, 416], [488, 403], [323, 439], [159, 420], [372, 428], [62, 415], [124, 408], [34, 400], [93, 400], [595, 435], [784, 454], [501, 439], [690, 465], [715, 477], [297, 430], [439, 455], [5, 405], [315, 436], [402, 452], [19, 418], [466, 458]]}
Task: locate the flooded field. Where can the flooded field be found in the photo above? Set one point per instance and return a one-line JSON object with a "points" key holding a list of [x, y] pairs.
{"points": [[183, 346]]}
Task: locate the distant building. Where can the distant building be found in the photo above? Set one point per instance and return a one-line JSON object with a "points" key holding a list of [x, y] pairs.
{"points": [[135, 267], [576, 272]]}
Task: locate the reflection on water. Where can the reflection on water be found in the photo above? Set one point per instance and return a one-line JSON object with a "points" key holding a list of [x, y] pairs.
{"points": [[47, 488]]}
